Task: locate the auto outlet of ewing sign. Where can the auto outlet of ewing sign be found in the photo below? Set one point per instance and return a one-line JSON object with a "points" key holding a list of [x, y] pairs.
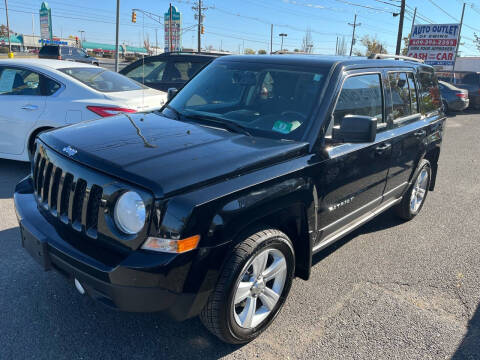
{"points": [[436, 44]]}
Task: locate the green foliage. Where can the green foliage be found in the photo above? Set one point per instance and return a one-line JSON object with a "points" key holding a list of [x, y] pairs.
{"points": [[248, 51], [372, 46], [261, 52]]}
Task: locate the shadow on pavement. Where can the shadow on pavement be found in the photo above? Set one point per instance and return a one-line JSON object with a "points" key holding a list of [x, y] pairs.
{"points": [[44, 317], [470, 346], [383, 221], [11, 172]]}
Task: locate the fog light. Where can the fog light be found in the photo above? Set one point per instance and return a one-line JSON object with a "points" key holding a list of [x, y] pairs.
{"points": [[171, 246]]}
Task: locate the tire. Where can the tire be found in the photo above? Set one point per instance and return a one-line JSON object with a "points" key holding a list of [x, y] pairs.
{"points": [[406, 209], [445, 107], [231, 322]]}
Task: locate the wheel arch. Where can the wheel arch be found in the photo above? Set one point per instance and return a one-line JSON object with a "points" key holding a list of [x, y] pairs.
{"points": [[33, 135]]}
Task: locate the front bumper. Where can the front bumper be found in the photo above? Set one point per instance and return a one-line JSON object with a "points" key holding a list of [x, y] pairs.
{"points": [[140, 282]]}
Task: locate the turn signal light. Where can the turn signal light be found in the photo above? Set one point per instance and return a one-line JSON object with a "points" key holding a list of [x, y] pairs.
{"points": [[106, 111], [171, 246]]}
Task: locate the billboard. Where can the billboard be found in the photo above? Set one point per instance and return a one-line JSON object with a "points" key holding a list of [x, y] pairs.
{"points": [[45, 22], [176, 30], [436, 44]]}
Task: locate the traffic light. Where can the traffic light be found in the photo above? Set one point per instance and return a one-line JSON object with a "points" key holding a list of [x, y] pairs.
{"points": [[203, 30], [134, 17]]}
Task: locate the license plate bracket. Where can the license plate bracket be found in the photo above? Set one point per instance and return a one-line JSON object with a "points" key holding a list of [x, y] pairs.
{"points": [[37, 248]]}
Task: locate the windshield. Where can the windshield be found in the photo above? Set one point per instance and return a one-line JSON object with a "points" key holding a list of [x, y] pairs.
{"points": [[103, 80], [267, 100]]}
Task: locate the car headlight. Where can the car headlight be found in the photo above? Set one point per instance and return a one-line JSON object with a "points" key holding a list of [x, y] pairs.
{"points": [[130, 213]]}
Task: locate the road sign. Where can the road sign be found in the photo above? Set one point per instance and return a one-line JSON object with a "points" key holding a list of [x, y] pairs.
{"points": [[435, 44]]}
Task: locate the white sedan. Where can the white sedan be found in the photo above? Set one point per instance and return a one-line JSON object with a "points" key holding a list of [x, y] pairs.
{"points": [[39, 94]]}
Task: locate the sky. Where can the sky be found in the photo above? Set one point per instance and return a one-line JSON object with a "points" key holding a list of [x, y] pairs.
{"points": [[235, 25]]}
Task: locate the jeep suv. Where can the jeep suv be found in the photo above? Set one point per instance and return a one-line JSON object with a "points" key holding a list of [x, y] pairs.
{"points": [[69, 53], [214, 204], [167, 70]]}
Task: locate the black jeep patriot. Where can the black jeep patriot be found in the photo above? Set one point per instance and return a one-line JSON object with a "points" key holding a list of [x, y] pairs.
{"points": [[214, 204]]}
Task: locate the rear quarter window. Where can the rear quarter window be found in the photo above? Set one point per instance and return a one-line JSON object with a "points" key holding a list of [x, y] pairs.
{"points": [[49, 50]]}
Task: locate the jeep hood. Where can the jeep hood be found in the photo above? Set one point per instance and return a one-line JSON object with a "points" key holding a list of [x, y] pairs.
{"points": [[164, 155]]}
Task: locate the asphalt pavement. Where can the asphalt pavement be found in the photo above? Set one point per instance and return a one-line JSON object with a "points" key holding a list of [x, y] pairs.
{"points": [[390, 290]]}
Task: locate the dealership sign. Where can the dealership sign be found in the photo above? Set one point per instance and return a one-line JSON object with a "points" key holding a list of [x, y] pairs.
{"points": [[45, 22], [436, 44], [176, 27]]}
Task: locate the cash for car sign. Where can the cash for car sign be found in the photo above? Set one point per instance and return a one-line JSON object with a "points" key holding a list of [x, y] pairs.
{"points": [[435, 44]]}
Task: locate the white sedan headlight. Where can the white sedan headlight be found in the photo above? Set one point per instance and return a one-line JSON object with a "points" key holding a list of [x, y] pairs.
{"points": [[130, 213]]}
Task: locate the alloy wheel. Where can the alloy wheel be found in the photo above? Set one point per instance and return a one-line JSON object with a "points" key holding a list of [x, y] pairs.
{"points": [[419, 191], [259, 288]]}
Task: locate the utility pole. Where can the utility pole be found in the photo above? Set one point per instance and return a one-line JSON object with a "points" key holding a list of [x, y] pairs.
{"points": [[10, 54], [33, 27], [271, 38], [336, 47], [355, 24], [117, 28], [198, 15], [400, 27], [156, 41], [282, 35], [458, 42]]}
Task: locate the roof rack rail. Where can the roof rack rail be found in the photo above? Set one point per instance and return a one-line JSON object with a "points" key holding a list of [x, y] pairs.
{"points": [[399, 57]]}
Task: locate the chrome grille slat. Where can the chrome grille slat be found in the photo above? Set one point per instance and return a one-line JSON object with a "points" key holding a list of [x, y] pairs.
{"points": [[46, 184], [54, 189], [65, 197], [40, 177], [77, 204]]}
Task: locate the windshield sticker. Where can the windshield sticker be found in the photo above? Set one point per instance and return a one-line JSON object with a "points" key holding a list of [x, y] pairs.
{"points": [[7, 79], [317, 77], [285, 127]]}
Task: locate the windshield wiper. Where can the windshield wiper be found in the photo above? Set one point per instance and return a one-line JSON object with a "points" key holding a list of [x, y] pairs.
{"points": [[220, 121]]}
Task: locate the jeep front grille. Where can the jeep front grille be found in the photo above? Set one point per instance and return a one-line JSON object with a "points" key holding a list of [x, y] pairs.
{"points": [[71, 199]]}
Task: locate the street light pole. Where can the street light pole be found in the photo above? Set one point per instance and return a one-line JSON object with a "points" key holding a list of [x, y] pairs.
{"points": [[116, 35], [282, 35], [8, 31]]}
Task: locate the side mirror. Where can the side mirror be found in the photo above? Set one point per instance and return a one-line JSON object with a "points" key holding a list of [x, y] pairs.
{"points": [[171, 93], [356, 129]]}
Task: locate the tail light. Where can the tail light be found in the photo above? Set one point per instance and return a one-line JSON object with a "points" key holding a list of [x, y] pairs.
{"points": [[59, 57], [106, 111], [461, 95]]}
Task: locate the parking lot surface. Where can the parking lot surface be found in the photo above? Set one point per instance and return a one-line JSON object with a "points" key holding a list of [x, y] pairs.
{"points": [[390, 290]]}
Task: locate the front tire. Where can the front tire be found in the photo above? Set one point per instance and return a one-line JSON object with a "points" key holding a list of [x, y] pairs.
{"points": [[252, 288], [413, 200]]}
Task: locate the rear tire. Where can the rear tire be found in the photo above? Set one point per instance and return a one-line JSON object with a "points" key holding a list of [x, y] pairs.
{"points": [[445, 107], [252, 287], [413, 200]]}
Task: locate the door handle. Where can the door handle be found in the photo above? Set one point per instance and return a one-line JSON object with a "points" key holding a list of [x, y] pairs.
{"points": [[420, 133], [381, 148], [29, 107]]}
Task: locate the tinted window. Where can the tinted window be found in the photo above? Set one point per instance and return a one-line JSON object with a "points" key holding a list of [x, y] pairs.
{"points": [[19, 82], [360, 95], [413, 93], [49, 50], [103, 80], [66, 50], [428, 91], [470, 78], [182, 71], [148, 72], [48, 86], [400, 94], [235, 92]]}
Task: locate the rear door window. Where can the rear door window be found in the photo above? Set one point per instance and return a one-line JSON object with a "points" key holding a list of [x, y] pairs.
{"points": [[400, 95], [148, 72], [182, 71], [429, 93]]}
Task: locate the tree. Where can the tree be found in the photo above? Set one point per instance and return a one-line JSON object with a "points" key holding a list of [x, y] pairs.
{"points": [[3, 31], [261, 52], [342, 47], [372, 45], [307, 42], [248, 51], [406, 43], [476, 41]]}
